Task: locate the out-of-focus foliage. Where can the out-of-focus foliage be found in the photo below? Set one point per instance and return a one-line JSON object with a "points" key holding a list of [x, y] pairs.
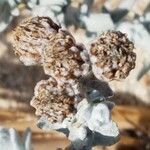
{"points": [[9, 139]]}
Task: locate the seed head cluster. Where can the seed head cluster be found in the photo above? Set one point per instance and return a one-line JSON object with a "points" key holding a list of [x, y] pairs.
{"points": [[40, 41]]}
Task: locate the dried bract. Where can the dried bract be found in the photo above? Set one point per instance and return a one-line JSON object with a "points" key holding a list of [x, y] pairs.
{"points": [[52, 102], [31, 37], [112, 56]]}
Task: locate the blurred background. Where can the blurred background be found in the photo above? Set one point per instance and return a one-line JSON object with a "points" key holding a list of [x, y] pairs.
{"points": [[85, 19]]}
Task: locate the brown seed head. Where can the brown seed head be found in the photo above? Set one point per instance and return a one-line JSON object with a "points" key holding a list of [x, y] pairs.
{"points": [[112, 56], [62, 59], [52, 102], [31, 37]]}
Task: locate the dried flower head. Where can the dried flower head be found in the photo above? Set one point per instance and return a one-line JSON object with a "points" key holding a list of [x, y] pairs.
{"points": [[112, 56], [52, 102], [31, 37], [62, 57]]}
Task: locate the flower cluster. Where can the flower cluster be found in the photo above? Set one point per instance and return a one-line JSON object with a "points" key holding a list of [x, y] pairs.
{"points": [[74, 98]]}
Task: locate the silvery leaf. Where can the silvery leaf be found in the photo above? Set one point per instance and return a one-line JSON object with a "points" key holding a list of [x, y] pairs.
{"points": [[10, 139], [93, 123], [93, 25]]}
